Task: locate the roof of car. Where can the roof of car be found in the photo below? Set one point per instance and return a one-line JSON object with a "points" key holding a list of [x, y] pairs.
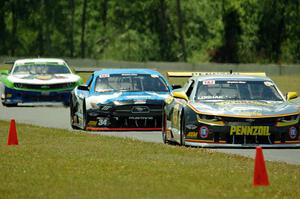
{"points": [[126, 71], [38, 60], [231, 77]]}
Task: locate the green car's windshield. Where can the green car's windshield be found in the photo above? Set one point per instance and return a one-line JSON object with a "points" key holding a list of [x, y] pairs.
{"points": [[130, 82], [237, 90], [40, 69]]}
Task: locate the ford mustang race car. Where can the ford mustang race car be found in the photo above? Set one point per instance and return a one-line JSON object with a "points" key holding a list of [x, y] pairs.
{"points": [[120, 99], [230, 110], [37, 80]]}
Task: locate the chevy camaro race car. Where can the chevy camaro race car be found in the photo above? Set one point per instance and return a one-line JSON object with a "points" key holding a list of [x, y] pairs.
{"points": [[120, 99], [230, 110], [37, 80]]}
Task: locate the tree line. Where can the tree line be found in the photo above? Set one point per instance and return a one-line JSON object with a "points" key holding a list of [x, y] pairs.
{"points": [[234, 31]]}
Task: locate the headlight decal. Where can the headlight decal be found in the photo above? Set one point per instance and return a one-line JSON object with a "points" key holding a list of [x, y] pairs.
{"points": [[287, 120], [210, 120]]}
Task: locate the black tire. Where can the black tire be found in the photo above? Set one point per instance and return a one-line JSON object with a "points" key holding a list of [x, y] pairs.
{"points": [[182, 127], [84, 119], [9, 105], [163, 132], [72, 114]]}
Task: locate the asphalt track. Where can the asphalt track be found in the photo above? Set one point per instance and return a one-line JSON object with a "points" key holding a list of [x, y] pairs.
{"points": [[58, 117]]}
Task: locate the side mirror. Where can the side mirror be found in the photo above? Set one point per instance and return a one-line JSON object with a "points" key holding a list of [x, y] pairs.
{"points": [[176, 86], [83, 88], [4, 72], [291, 95], [181, 95]]}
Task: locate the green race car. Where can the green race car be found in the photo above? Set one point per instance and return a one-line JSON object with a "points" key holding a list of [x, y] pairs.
{"points": [[32, 81], [230, 110]]}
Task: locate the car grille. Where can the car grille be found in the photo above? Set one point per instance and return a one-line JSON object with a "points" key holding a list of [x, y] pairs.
{"points": [[138, 109], [230, 121], [45, 86]]}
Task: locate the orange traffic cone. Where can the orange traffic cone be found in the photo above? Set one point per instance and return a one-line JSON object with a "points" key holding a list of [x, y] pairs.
{"points": [[260, 177], [12, 136]]}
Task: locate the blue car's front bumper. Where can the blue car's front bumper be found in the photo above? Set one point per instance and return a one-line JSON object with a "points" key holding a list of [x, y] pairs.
{"points": [[12, 96]]}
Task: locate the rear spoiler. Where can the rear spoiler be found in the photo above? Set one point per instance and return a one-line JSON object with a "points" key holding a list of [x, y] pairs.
{"points": [[191, 74], [86, 69]]}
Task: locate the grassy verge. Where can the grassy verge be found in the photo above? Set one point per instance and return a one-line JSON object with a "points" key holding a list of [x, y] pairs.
{"points": [[51, 163]]}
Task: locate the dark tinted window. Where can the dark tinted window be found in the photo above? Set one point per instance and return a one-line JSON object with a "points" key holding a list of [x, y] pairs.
{"points": [[130, 82], [40, 69], [237, 90]]}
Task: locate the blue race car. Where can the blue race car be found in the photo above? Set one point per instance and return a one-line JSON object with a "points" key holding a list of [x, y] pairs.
{"points": [[120, 99]]}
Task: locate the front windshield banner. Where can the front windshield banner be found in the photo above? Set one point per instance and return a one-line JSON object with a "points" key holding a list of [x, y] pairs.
{"points": [[40, 69]]}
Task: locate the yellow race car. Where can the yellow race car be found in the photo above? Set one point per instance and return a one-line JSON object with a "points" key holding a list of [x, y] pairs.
{"points": [[230, 110]]}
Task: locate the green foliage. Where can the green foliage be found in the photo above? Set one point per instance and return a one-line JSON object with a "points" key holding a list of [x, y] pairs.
{"points": [[237, 31]]}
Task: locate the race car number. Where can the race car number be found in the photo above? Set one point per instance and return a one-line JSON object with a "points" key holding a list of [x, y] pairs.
{"points": [[250, 130]]}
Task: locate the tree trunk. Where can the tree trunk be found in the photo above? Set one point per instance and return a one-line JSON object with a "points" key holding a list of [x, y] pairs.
{"points": [[182, 56], [71, 39], [14, 42], [41, 32], [281, 32], [3, 49], [163, 40], [104, 9], [83, 24]]}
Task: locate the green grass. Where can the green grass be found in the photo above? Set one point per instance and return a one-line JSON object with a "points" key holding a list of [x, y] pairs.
{"points": [[52, 163]]}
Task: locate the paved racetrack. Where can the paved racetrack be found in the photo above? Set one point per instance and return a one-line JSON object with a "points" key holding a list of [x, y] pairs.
{"points": [[58, 117]]}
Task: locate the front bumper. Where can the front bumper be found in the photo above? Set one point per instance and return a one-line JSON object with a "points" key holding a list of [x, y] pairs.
{"points": [[195, 143], [13, 96], [222, 137], [122, 118]]}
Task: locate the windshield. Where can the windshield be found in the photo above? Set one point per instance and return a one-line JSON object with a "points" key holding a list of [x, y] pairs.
{"points": [[40, 69], [237, 90], [130, 82]]}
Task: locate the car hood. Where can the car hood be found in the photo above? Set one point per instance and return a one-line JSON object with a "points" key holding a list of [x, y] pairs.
{"points": [[43, 79], [122, 98], [246, 108]]}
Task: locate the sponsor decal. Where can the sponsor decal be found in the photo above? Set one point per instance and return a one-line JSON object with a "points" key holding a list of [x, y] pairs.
{"points": [[91, 123], [192, 134], [140, 118], [250, 113], [224, 103], [203, 132], [293, 132], [104, 75], [250, 130], [44, 77], [208, 82], [191, 126], [103, 121], [129, 74], [137, 97], [212, 97], [105, 108], [236, 82], [139, 101], [268, 83], [140, 109]]}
